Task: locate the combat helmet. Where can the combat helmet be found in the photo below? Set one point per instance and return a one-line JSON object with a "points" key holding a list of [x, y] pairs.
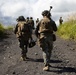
{"points": [[31, 17], [27, 18], [20, 18], [46, 13]]}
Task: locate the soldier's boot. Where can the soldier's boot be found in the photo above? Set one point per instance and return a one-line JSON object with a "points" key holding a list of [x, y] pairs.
{"points": [[46, 68], [24, 57], [49, 65]]}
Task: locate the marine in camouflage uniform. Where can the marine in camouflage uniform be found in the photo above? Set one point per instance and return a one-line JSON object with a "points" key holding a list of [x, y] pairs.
{"points": [[44, 32], [23, 40], [27, 20], [31, 22], [37, 20], [60, 21]]}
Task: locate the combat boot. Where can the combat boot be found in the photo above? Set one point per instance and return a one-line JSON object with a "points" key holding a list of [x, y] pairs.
{"points": [[46, 68], [24, 57]]}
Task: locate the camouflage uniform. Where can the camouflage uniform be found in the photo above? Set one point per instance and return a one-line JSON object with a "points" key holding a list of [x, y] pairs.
{"points": [[44, 32], [24, 39], [31, 23], [37, 20], [27, 20], [60, 20]]}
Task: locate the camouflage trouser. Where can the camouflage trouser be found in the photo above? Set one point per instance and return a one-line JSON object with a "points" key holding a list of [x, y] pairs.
{"points": [[47, 46], [23, 44]]}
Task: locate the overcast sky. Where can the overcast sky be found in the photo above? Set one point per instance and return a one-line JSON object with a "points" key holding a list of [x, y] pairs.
{"points": [[11, 9]]}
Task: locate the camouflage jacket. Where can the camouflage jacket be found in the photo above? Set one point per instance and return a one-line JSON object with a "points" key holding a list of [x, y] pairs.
{"points": [[52, 23]]}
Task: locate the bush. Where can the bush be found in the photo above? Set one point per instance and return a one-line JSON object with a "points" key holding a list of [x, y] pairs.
{"points": [[1, 30], [68, 29]]}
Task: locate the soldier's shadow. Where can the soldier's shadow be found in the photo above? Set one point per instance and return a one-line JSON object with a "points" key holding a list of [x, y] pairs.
{"points": [[57, 69], [60, 70], [41, 60], [51, 61]]}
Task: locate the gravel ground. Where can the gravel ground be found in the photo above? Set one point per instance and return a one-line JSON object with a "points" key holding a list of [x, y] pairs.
{"points": [[63, 58]]}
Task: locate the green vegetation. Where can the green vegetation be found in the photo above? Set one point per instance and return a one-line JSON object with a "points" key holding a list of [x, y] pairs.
{"points": [[68, 29], [9, 28], [1, 30], [4, 29]]}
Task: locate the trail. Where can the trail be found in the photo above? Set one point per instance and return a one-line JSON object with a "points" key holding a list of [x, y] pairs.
{"points": [[63, 58]]}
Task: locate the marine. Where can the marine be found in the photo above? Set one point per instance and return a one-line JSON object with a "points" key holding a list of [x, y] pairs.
{"points": [[44, 32], [27, 20], [37, 20], [31, 23], [23, 33], [60, 21]]}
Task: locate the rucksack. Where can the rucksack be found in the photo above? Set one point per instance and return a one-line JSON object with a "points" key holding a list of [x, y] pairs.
{"points": [[23, 30], [45, 26]]}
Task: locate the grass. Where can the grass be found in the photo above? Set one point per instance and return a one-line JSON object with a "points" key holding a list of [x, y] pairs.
{"points": [[2, 33], [3, 30], [68, 29]]}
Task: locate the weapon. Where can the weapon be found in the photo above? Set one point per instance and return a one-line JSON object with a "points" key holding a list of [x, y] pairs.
{"points": [[50, 8]]}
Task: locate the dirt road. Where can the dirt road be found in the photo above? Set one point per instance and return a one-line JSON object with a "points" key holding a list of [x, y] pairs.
{"points": [[63, 58]]}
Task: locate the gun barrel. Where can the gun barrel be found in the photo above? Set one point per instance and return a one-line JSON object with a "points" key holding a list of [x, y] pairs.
{"points": [[50, 8]]}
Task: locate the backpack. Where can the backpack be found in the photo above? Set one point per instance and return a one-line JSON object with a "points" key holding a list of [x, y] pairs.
{"points": [[45, 26], [23, 30]]}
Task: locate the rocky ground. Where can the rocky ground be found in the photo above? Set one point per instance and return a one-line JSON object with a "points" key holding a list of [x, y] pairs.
{"points": [[63, 58]]}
